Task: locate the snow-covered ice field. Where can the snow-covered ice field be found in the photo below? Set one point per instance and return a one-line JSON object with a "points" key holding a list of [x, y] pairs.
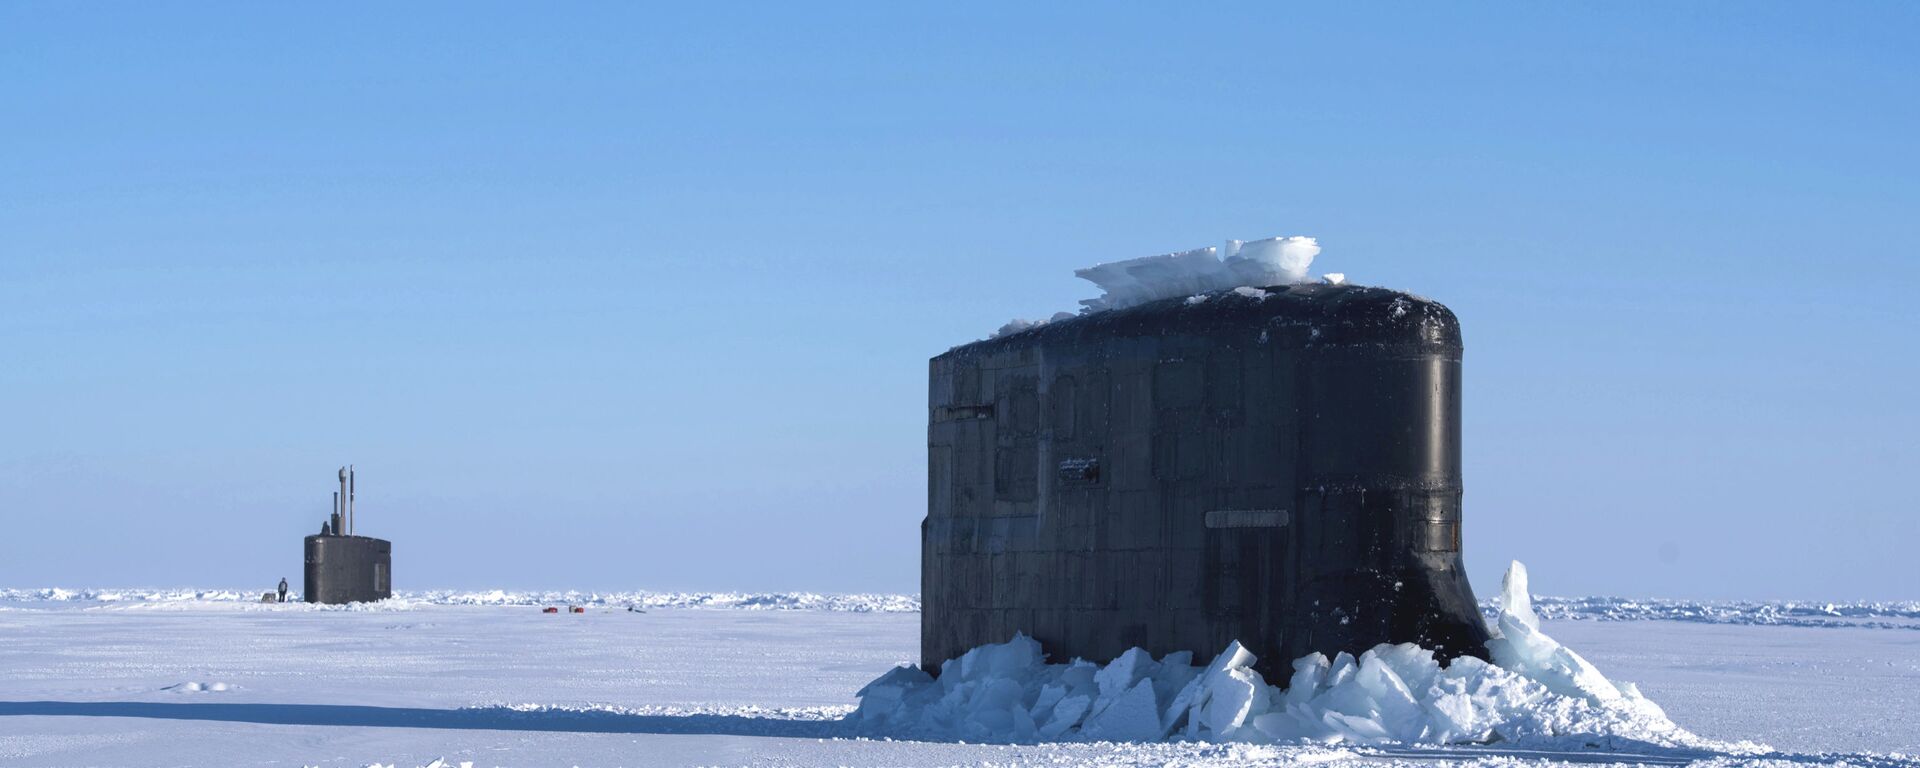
{"points": [[207, 679]]}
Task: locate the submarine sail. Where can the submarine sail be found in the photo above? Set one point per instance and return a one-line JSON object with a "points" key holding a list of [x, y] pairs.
{"points": [[1275, 466]]}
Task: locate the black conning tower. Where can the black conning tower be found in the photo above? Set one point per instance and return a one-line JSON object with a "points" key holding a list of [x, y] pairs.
{"points": [[342, 567], [1279, 467]]}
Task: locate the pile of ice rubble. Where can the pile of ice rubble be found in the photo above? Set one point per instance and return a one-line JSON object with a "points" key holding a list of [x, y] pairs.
{"points": [[1273, 261], [1536, 691], [1239, 264]]}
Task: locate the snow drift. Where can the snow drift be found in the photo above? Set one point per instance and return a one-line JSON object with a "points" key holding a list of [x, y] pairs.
{"points": [[1536, 691]]}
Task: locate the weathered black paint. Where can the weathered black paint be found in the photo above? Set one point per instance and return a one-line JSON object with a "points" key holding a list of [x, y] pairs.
{"points": [[348, 569], [1281, 470]]}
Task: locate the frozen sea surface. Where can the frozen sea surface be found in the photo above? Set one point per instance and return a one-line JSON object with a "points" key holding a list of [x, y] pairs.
{"points": [[408, 599], [1884, 615], [210, 681]]}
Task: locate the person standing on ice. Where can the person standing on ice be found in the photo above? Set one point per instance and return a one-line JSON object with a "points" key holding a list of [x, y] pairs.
{"points": [[283, 589]]}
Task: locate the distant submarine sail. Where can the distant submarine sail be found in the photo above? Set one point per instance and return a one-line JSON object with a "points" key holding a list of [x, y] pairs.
{"points": [[342, 567]]}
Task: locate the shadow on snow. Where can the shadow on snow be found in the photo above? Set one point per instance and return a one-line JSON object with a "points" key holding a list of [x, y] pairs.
{"points": [[475, 719]]}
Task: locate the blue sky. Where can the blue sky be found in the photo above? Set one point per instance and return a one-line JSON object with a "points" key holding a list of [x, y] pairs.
{"points": [[631, 296]]}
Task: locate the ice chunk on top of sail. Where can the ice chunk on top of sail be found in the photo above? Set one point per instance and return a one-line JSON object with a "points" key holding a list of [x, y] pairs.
{"points": [[1253, 264]]}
